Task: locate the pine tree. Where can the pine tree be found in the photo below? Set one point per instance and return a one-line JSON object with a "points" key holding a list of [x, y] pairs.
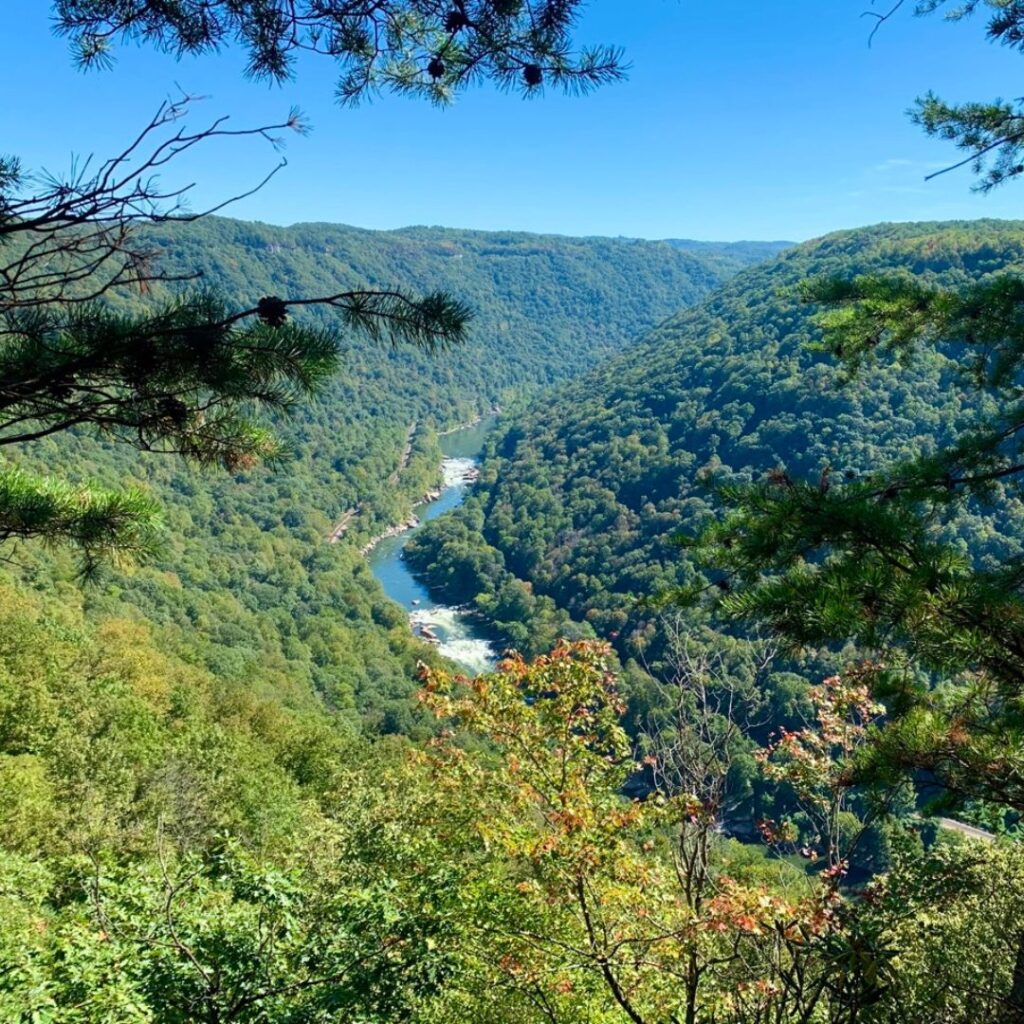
{"points": [[424, 48], [193, 376], [869, 558], [991, 133]]}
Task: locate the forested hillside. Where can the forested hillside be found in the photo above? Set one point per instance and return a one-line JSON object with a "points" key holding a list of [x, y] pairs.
{"points": [[550, 305], [700, 698], [583, 495], [246, 584]]}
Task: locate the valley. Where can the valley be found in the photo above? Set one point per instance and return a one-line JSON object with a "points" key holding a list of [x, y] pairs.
{"points": [[245, 583], [585, 493], [287, 669], [589, 624], [455, 634]]}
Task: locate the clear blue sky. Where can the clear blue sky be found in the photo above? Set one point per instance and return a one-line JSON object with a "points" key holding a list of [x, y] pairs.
{"points": [[740, 119]]}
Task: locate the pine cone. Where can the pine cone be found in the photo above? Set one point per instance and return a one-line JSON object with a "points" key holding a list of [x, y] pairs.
{"points": [[456, 21], [175, 410], [272, 310]]}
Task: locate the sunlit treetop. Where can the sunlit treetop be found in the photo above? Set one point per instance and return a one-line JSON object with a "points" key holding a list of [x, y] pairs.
{"points": [[426, 48]]}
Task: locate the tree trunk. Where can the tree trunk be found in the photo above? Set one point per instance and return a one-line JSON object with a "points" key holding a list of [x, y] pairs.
{"points": [[1014, 1013], [692, 987]]}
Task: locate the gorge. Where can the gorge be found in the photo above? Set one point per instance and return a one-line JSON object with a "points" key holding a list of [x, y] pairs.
{"points": [[455, 633], [589, 624]]}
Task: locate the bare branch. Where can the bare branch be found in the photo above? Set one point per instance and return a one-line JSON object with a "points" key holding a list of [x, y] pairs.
{"points": [[72, 238]]}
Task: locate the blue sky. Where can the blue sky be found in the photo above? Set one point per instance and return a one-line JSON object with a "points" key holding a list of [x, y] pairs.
{"points": [[740, 119]]}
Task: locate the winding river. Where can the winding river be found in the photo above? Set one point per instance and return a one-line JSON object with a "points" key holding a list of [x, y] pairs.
{"points": [[459, 639]]}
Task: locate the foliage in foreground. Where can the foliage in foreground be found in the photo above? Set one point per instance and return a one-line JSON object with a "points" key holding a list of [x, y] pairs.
{"points": [[176, 850], [871, 559], [641, 911], [428, 49]]}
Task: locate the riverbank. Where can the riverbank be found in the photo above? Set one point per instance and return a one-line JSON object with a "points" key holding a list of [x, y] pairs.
{"points": [[454, 632], [490, 415], [454, 472], [348, 518], [400, 528]]}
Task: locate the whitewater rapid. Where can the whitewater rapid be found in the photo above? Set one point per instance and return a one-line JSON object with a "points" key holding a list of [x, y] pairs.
{"points": [[454, 632]]}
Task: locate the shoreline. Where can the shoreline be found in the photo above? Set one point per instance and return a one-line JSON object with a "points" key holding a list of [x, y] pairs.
{"points": [[451, 629], [343, 525], [397, 529], [470, 476], [496, 411]]}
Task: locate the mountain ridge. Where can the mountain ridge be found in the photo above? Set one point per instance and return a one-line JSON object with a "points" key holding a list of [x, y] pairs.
{"points": [[248, 586], [582, 494]]}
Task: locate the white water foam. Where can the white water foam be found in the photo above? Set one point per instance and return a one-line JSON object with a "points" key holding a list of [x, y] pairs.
{"points": [[471, 653], [458, 471], [477, 656]]}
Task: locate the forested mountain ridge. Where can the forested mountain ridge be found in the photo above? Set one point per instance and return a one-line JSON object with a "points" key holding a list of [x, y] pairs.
{"points": [[793, 790], [552, 304], [731, 250], [583, 494], [247, 586]]}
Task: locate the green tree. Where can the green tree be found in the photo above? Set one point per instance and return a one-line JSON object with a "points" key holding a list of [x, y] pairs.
{"points": [[193, 376], [636, 908], [869, 557], [991, 133], [425, 48]]}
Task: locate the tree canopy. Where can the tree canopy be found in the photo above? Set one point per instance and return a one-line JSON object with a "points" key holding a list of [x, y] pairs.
{"points": [[204, 813], [423, 48], [989, 132], [191, 377]]}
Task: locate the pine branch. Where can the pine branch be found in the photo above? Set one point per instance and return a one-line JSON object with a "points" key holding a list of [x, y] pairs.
{"points": [[430, 49], [105, 526]]}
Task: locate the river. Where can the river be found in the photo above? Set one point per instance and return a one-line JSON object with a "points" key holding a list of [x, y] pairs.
{"points": [[459, 638]]}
